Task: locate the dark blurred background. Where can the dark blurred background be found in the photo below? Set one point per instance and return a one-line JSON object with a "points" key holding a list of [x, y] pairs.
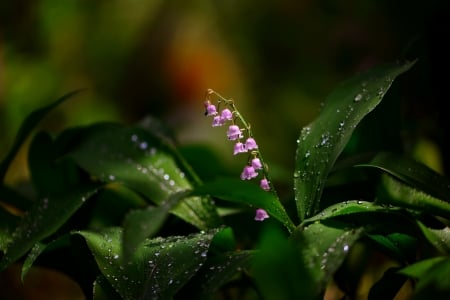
{"points": [[277, 59]]}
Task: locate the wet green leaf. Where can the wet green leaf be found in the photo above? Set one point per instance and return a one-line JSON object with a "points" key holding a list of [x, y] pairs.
{"points": [[43, 219], [144, 223], [247, 193], [7, 224], [346, 208], [158, 268], [216, 272], [322, 141], [103, 290], [396, 193], [134, 157], [413, 173], [325, 246]]}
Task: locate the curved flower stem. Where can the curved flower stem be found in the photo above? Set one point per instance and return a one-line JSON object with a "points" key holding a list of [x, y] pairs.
{"points": [[230, 103]]}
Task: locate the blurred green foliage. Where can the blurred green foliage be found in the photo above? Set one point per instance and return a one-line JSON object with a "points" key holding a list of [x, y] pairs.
{"points": [[279, 59]]}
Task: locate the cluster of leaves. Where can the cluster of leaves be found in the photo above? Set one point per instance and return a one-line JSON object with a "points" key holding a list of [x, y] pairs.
{"points": [[129, 206]]}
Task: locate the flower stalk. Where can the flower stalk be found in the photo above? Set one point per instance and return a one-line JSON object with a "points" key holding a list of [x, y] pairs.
{"points": [[236, 131]]}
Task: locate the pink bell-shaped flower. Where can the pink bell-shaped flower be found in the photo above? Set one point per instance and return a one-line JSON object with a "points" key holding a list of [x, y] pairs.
{"points": [[261, 215], [250, 144], [256, 164], [234, 132], [226, 115], [264, 184], [248, 173], [217, 121], [210, 109], [239, 148]]}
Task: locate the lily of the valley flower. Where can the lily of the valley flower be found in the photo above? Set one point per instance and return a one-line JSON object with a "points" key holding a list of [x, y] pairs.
{"points": [[210, 109], [261, 215], [239, 148], [256, 164], [234, 133], [217, 121], [248, 173], [250, 144], [264, 184], [226, 115]]}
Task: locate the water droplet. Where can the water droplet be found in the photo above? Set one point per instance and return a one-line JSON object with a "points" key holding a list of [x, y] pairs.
{"points": [[307, 154], [346, 248], [143, 145], [112, 177], [134, 138], [358, 97]]}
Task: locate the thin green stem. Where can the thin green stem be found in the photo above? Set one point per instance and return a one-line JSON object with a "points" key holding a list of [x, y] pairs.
{"points": [[246, 125]]}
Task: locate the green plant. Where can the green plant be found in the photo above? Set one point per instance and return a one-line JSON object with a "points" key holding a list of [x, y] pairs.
{"points": [[123, 210]]}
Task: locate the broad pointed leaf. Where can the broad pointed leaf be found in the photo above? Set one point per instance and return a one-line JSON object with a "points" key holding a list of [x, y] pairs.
{"points": [[43, 219], [158, 268], [394, 192], [325, 246], [347, 208], [322, 141], [247, 193], [134, 157], [144, 223], [413, 173]]}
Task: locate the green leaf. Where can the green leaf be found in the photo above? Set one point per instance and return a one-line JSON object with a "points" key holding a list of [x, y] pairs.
{"points": [[422, 268], [111, 205], [43, 219], [49, 173], [396, 193], [439, 238], [400, 246], [7, 224], [159, 267], [322, 141], [143, 223], [35, 251], [134, 157], [346, 208], [103, 290], [325, 245], [280, 270], [244, 192], [27, 127], [216, 272], [413, 173], [432, 275]]}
